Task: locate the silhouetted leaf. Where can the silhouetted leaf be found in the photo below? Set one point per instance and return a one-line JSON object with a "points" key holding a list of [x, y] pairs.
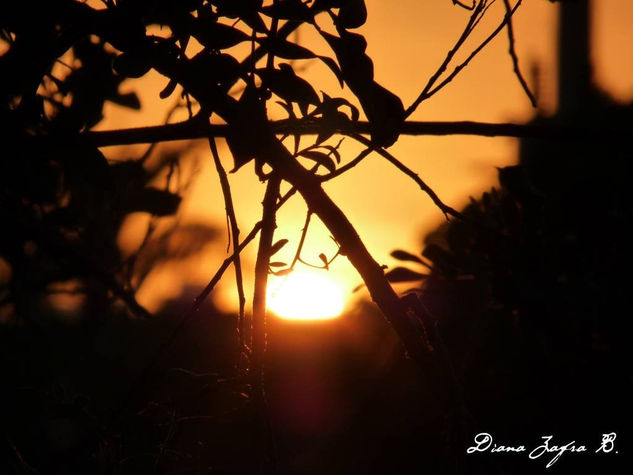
{"points": [[253, 20], [236, 8], [332, 151], [168, 89], [330, 106], [356, 67], [405, 256], [438, 256], [219, 36], [240, 149], [323, 5], [384, 109], [126, 172], [283, 272], [216, 68], [285, 49], [129, 99], [245, 10], [385, 112], [320, 158], [277, 264], [291, 115], [353, 13], [289, 10], [152, 200], [289, 86], [330, 63], [274, 249], [323, 258], [84, 164], [402, 274], [288, 108], [131, 65]]}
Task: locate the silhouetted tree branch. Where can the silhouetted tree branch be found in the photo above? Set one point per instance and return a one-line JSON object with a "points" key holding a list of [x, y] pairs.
{"points": [[513, 54], [234, 237], [196, 130], [257, 369]]}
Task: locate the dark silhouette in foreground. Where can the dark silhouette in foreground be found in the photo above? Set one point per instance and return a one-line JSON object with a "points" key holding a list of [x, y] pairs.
{"points": [[530, 293]]}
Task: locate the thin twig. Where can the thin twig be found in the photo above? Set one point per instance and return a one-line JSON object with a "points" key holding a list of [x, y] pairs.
{"points": [[140, 381], [259, 318], [513, 55], [304, 233], [483, 12], [349, 165], [475, 52], [464, 5], [447, 210], [17, 455], [234, 235], [326, 264], [272, 34], [130, 263], [447, 60]]}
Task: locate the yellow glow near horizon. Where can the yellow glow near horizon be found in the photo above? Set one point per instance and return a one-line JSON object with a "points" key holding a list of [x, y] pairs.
{"points": [[305, 295]]}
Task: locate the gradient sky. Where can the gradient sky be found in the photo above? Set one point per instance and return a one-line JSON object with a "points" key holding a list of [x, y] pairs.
{"points": [[407, 40]]}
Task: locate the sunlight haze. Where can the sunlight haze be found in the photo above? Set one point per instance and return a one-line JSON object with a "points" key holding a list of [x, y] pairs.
{"points": [[407, 40]]}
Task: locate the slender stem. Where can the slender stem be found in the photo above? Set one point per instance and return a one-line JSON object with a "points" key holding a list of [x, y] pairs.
{"points": [[304, 233], [349, 165], [449, 57], [464, 5], [475, 52], [140, 381], [270, 60], [259, 317], [447, 210], [351, 245], [235, 237], [514, 57]]}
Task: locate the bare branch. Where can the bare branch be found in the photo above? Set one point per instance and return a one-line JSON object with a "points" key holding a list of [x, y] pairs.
{"points": [[477, 11], [447, 210], [351, 164], [259, 314], [464, 5], [513, 54], [304, 233], [234, 235], [190, 130], [475, 52], [197, 303]]}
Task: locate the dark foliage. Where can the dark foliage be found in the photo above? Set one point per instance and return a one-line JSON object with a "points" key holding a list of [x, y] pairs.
{"points": [[69, 407], [530, 296]]}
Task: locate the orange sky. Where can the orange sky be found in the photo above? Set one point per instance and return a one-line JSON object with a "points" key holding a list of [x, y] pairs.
{"points": [[406, 40]]}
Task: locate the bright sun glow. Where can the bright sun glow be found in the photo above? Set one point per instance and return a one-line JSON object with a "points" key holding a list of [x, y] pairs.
{"points": [[305, 295]]}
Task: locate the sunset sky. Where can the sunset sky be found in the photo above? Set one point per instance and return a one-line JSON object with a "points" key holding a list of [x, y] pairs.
{"points": [[407, 40]]}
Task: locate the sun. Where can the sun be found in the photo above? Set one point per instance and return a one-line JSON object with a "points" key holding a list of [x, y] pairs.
{"points": [[305, 295]]}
